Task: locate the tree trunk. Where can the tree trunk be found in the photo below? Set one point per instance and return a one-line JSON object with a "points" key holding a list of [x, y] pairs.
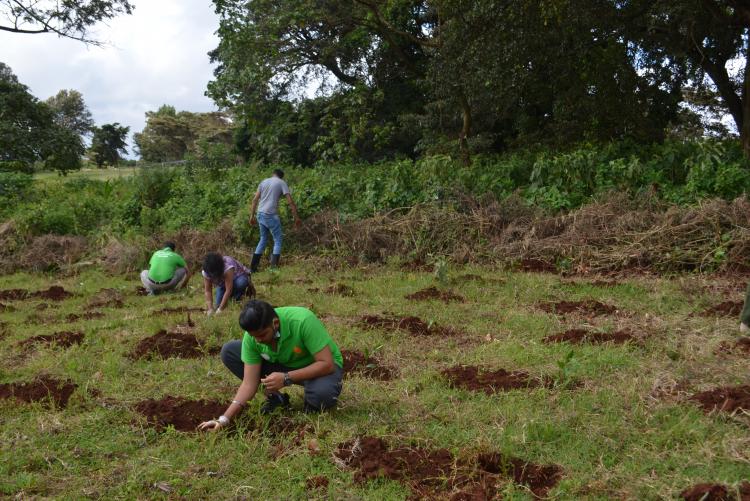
{"points": [[463, 138], [745, 127]]}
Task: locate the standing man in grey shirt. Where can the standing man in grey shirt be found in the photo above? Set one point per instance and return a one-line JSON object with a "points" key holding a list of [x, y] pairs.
{"points": [[266, 201]]}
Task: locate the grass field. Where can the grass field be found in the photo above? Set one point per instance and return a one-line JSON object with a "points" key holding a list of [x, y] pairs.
{"points": [[617, 420], [93, 174]]}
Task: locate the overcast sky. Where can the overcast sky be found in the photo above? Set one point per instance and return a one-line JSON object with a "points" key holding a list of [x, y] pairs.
{"points": [[157, 55]]}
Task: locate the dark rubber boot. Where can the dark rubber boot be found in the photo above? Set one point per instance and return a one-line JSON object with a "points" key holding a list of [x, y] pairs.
{"points": [[275, 260], [255, 262]]}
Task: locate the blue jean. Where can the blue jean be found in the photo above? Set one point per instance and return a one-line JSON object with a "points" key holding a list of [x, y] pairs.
{"points": [[239, 284], [269, 223]]}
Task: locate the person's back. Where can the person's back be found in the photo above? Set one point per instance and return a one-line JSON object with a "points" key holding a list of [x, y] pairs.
{"points": [[163, 264], [271, 190]]}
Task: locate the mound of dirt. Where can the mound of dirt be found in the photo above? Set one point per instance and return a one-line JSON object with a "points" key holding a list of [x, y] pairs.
{"points": [[434, 293], [715, 492], [183, 414], [588, 308], [580, 336], [413, 325], [42, 389], [88, 315], [725, 309], [61, 339], [474, 378], [140, 291], [107, 298], [742, 345], [724, 399], [356, 362], [437, 474], [538, 478], [166, 344], [54, 293]]}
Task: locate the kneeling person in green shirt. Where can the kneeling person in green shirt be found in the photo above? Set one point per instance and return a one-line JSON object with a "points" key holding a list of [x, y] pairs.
{"points": [[167, 271], [281, 347]]}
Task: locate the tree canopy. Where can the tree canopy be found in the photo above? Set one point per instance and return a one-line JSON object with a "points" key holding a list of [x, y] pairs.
{"points": [[69, 19], [403, 77], [108, 143]]}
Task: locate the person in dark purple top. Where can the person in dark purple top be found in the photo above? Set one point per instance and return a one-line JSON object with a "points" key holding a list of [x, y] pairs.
{"points": [[231, 278]]}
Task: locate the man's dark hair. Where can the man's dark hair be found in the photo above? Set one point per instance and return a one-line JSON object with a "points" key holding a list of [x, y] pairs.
{"points": [[171, 245], [257, 315], [213, 265], [279, 173]]}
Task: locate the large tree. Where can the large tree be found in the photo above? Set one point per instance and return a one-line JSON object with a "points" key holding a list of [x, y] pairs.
{"points": [[71, 112], [28, 132], [169, 134], [67, 18], [108, 143]]}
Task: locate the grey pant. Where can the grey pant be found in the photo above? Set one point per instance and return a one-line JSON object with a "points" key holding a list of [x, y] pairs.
{"points": [[320, 393], [179, 275]]}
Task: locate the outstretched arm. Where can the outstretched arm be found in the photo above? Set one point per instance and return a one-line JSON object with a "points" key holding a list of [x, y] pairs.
{"points": [[247, 390], [254, 207]]}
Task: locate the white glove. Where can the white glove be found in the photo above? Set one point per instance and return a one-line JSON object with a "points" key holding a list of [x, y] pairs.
{"points": [[218, 310], [209, 312]]}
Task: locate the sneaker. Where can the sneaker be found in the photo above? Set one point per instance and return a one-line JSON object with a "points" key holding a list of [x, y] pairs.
{"points": [[274, 401]]}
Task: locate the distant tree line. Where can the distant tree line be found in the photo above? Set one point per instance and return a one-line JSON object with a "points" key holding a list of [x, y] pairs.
{"points": [[401, 78]]}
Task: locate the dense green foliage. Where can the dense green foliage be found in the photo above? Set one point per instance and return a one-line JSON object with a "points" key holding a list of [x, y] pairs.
{"points": [[404, 78], [108, 143], [196, 196]]}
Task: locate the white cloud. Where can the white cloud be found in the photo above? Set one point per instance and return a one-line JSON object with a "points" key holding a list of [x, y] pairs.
{"points": [[156, 56]]}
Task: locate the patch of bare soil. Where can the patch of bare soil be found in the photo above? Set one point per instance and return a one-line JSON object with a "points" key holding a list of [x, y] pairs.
{"points": [[140, 291], [107, 298], [413, 325], [437, 474], [359, 363], [536, 266], [742, 345], [42, 389], [724, 399], [316, 482], [88, 315], [61, 339], [435, 293], [579, 336], [716, 492], [725, 309], [54, 293], [165, 344], [182, 414], [588, 308], [474, 378]]}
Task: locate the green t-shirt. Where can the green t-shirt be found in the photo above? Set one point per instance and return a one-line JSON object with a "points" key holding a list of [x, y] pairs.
{"points": [[302, 336], [163, 263]]}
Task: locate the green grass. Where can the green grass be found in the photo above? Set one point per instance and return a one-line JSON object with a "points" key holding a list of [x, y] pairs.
{"points": [[92, 174], [615, 434]]}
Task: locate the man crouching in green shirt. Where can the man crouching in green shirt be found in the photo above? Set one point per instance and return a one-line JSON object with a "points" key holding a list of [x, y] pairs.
{"points": [[281, 347], [167, 270]]}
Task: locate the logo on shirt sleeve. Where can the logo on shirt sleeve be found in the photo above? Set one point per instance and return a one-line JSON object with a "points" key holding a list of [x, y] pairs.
{"points": [[265, 357]]}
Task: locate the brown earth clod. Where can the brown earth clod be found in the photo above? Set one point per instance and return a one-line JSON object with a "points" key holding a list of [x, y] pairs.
{"points": [[182, 414], [725, 309], [437, 474], [413, 325], [742, 345], [474, 378], [588, 308], [42, 389], [435, 293], [724, 399], [165, 344], [715, 492], [580, 336], [359, 363], [61, 339], [316, 482], [88, 315], [54, 293]]}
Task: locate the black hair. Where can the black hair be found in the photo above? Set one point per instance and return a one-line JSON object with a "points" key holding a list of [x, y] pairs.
{"points": [[171, 245], [279, 173], [213, 265], [256, 315]]}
